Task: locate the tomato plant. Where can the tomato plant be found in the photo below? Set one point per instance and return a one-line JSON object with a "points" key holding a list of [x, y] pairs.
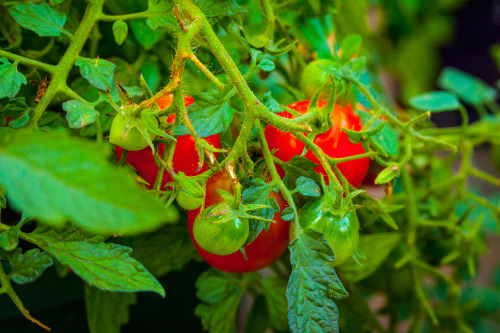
{"points": [[314, 76], [185, 159], [131, 139], [334, 142], [263, 251]]}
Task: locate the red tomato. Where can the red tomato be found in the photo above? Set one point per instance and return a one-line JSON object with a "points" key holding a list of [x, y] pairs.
{"points": [[268, 247], [334, 142], [185, 156]]}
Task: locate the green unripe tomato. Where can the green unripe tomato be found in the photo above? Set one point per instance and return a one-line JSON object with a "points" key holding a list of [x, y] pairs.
{"points": [[341, 233], [219, 238], [313, 77], [133, 139], [190, 194]]}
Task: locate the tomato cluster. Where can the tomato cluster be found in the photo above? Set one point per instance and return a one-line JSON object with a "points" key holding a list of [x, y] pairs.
{"points": [[186, 158], [263, 251], [334, 142]]}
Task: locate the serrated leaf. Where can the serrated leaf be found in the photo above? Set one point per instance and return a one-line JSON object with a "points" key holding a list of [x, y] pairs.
{"points": [[208, 115], [220, 294], [120, 31], [312, 285], [376, 247], [9, 239], [105, 266], [435, 101], [468, 88], [79, 114], [266, 65], [308, 187], [274, 289], [56, 178], [67, 234], [162, 252], [98, 72], [15, 114], [41, 19], [10, 79], [29, 266], [161, 15], [107, 312]]}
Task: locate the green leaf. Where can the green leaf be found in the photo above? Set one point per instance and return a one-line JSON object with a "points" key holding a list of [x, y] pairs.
{"points": [[120, 31], [316, 36], [105, 266], [10, 79], [266, 65], [98, 72], [162, 252], [468, 88], [376, 247], [287, 214], [220, 294], [308, 187], [41, 19], [67, 234], [299, 166], [161, 15], [9, 239], [107, 312], [271, 104], [209, 115], [387, 138], [213, 8], [257, 319], [312, 285], [29, 266], [275, 291], [144, 34], [388, 174], [350, 46], [79, 114], [3, 200], [56, 178], [435, 101], [16, 114]]}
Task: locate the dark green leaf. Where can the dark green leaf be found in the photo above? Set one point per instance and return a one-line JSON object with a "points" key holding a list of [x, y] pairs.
{"points": [[67, 234], [144, 34], [79, 114], [312, 285], [220, 294], [435, 101], [469, 88], [107, 312], [271, 104], [42, 180], [41, 19], [120, 31], [162, 16], [29, 266], [104, 266], [299, 166], [219, 7], [164, 251], [257, 319], [9, 239], [10, 79], [15, 114], [308, 187], [98, 72], [275, 292], [376, 248]]}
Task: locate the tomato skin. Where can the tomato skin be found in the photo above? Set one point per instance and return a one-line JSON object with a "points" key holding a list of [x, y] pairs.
{"points": [[185, 155], [268, 247], [334, 142], [132, 141], [341, 233]]}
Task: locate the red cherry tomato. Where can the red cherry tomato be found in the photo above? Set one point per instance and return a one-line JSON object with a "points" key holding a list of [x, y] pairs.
{"points": [[334, 142], [185, 156], [268, 247]]}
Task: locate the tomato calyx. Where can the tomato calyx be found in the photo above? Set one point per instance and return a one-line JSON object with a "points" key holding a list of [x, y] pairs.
{"points": [[189, 193]]}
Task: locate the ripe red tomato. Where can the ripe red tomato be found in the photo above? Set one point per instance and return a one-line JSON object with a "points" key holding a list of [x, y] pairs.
{"points": [[268, 247], [334, 142], [185, 156]]}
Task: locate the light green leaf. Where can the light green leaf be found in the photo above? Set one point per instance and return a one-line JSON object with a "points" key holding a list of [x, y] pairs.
{"points": [[79, 114], [161, 15], [376, 247], [312, 285], [56, 178], [266, 65], [9, 239], [144, 34], [10, 79], [41, 19], [29, 266], [98, 72], [105, 266], [435, 101], [468, 88], [120, 31], [107, 312], [308, 187]]}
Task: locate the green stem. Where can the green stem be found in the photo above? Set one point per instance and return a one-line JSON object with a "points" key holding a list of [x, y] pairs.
{"points": [[28, 62]]}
